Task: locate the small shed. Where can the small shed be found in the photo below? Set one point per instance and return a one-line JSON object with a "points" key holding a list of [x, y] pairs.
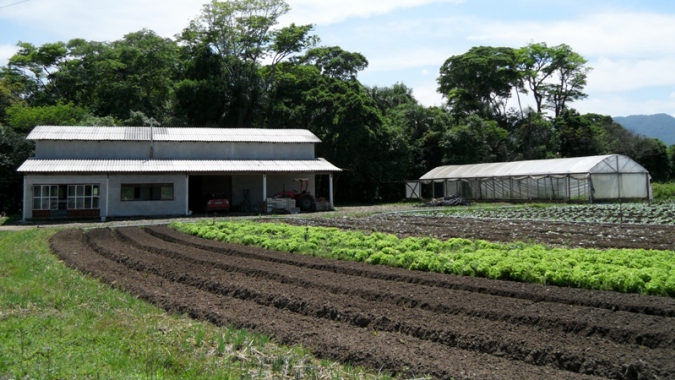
{"points": [[607, 177]]}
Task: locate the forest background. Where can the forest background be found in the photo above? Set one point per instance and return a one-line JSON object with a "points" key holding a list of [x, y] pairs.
{"points": [[233, 67]]}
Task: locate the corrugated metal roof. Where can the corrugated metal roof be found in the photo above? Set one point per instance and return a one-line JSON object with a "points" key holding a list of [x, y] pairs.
{"points": [[558, 166], [46, 132], [33, 165]]}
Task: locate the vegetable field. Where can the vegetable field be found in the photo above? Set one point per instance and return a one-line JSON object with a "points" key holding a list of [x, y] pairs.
{"points": [[623, 270], [660, 213], [387, 318]]}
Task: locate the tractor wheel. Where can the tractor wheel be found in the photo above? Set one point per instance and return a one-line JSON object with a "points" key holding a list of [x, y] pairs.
{"points": [[305, 203]]}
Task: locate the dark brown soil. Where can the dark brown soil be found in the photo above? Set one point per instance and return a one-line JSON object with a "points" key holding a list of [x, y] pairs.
{"points": [[589, 235], [387, 318]]}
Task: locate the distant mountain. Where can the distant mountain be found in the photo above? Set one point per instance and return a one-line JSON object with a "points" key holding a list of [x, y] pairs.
{"points": [[660, 126]]}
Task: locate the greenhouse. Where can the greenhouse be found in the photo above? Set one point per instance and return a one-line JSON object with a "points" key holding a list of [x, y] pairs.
{"points": [[609, 177]]}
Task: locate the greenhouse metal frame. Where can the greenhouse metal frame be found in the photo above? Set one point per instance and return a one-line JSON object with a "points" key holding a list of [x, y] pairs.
{"points": [[608, 177]]}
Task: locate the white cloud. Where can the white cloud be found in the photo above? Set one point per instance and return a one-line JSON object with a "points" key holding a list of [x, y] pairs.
{"points": [[625, 75], [601, 34], [333, 11], [621, 105], [407, 59], [104, 19], [426, 94], [6, 51]]}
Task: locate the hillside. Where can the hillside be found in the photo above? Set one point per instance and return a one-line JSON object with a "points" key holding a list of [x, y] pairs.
{"points": [[660, 126]]}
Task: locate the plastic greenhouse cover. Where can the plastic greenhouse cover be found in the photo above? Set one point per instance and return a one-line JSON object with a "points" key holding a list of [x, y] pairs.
{"points": [[577, 167]]}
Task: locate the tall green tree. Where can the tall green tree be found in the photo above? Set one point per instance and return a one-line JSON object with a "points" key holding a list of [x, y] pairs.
{"points": [[135, 73], [555, 75], [577, 136], [474, 140], [241, 34], [14, 150], [531, 136], [33, 68], [480, 81], [335, 62], [23, 118], [653, 155]]}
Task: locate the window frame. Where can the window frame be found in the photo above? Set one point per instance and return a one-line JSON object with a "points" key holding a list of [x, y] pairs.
{"points": [[83, 196], [147, 192], [49, 194], [48, 197]]}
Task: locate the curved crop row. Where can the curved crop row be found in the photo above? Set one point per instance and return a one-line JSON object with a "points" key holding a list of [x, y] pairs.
{"points": [[623, 270]]}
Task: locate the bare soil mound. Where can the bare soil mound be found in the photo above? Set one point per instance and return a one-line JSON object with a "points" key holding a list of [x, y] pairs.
{"points": [[387, 318]]}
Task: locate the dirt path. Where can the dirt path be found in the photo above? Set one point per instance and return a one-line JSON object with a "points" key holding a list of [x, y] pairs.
{"points": [[387, 318]]}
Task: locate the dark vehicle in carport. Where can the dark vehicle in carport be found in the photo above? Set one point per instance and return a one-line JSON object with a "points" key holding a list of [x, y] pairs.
{"points": [[217, 202]]}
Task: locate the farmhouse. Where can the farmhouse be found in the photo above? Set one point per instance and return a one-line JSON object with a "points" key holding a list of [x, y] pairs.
{"points": [[150, 171], [607, 177]]}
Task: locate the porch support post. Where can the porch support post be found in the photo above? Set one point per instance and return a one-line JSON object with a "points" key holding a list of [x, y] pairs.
{"points": [[187, 195], [264, 189], [26, 193], [330, 190], [107, 197]]}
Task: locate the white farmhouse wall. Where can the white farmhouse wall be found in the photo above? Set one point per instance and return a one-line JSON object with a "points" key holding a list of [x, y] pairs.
{"points": [[172, 150], [30, 180], [150, 208], [115, 206]]}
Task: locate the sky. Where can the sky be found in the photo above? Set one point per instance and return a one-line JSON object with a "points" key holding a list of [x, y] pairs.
{"points": [[628, 43]]}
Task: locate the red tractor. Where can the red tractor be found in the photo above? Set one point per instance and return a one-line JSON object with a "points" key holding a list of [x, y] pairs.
{"points": [[303, 198]]}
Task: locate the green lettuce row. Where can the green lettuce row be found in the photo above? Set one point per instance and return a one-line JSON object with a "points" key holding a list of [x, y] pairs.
{"points": [[623, 270]]}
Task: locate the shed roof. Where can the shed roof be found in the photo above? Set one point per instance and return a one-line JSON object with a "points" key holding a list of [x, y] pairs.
{"points": [[612, 163], [252, 135], [33, 165]]}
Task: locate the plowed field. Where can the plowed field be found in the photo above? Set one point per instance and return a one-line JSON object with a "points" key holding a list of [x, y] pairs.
{"points": [[387, 318], [588, 235]]}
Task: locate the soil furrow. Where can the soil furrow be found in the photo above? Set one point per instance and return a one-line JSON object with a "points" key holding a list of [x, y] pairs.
{"points": [[502, 339], [389, 351], [621, 327], [534, 292]]}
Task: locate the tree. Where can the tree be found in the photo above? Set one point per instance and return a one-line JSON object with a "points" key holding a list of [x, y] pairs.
{"points": [[34, 68], [653, 155], [556, 75], [577, 136], [14, 150], [532, 136], [8, 97], [390, 98], [480, 81], [474, 140], [23, 119], [335, 62], [135, 73], [240, 33]]}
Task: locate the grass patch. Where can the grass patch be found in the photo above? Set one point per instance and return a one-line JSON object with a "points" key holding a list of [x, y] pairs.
{"points": [[56, 323], [664, 191], [10, 219], [622, 270]]}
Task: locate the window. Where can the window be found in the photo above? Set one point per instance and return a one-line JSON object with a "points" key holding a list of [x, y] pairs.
{"points": [[57, 197], [83, 197], [147, 192], [45, 197]]}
